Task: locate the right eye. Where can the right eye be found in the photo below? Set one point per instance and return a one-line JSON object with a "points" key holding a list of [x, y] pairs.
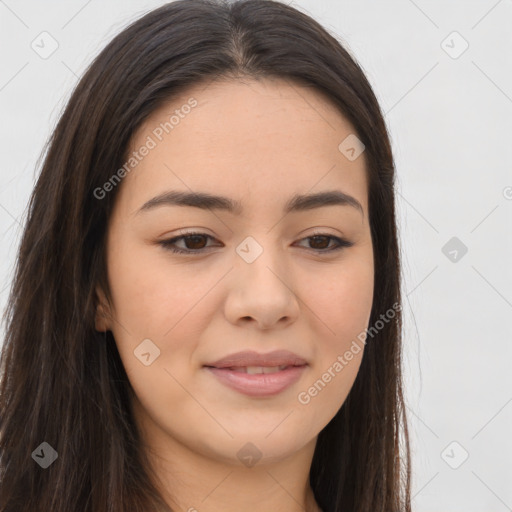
{"points": [[192, 239]]}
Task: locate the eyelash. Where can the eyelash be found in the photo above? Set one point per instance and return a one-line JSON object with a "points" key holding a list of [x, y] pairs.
{"points": [[168, 245]]}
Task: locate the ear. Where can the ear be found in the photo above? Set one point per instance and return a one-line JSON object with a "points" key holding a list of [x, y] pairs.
{"points": [[103, 313]]}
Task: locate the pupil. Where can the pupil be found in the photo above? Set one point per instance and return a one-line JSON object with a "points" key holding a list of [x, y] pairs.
{"points": [[194, 239], [324, 238]]}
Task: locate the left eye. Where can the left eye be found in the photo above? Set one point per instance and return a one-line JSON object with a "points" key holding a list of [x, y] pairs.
{"points": [[194, 240]]}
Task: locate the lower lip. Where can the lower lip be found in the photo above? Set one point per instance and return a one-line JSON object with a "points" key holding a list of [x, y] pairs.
{"points": [[259, 384]]}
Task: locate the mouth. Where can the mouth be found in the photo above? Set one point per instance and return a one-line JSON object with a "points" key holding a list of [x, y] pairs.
{"points": [[258, 381], [252, 370], [253, 359]]}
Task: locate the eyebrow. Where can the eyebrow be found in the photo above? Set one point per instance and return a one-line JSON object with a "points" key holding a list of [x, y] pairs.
{"points": [[206, 201]]}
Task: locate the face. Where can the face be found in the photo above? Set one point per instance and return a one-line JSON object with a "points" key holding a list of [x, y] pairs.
{"points": [[258, 278]]}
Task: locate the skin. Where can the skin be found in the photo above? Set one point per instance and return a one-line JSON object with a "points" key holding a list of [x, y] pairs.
{"points": [[259, 142]]}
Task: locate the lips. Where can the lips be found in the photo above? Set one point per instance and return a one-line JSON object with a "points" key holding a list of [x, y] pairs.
{"points": [[258, 375]]}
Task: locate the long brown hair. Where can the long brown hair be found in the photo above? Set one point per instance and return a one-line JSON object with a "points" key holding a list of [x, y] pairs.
{"points": [[63, 383]]}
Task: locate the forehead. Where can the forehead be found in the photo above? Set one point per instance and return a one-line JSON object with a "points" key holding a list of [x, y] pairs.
{"points": [[259, 141]]}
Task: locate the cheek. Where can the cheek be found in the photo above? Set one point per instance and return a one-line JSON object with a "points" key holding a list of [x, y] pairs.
{"points": [[154, 296], [166, 303], [342, 301], [149, 307], [341, 310]]}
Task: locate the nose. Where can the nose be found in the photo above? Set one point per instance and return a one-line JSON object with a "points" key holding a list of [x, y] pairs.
{"points": [[261, 292]]}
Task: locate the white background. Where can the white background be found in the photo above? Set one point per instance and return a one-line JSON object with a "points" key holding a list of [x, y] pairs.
{"points": [[450, 120]]}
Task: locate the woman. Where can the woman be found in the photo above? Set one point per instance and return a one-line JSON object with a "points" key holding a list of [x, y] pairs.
{"points": [[205, 313]]}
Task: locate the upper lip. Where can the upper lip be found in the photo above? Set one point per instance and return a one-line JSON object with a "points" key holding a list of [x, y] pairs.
{"points": [[252, 358]]}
